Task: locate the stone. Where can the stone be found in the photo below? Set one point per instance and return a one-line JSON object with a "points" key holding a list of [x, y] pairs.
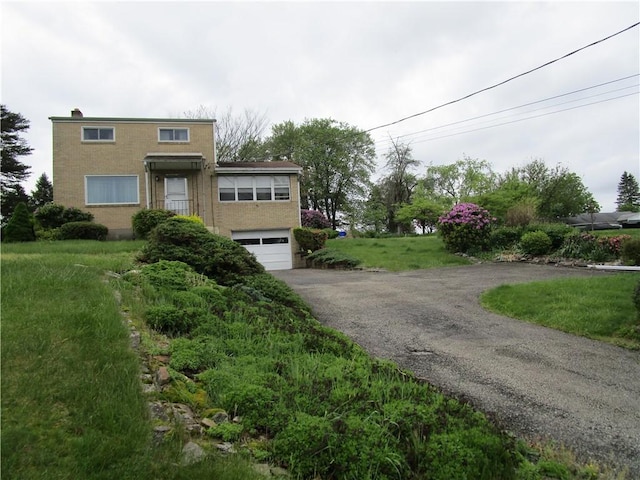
{"points": [[159, 432], [207, 422], [192, 453], [157, 411], [135, 339], [226, 447], [280, 472], [221, 417], [262, 469], [162, 376]]}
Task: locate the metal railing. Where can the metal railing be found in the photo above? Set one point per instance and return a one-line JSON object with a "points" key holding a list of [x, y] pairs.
{"points": [[180, 207]]}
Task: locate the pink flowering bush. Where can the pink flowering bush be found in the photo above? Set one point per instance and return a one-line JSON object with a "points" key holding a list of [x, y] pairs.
{"points": [[466, 228], [314, 219], [592, 248]]}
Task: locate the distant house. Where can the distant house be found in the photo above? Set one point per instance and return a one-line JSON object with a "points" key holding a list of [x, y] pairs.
{"points": [[113, 167], [604, 221]]}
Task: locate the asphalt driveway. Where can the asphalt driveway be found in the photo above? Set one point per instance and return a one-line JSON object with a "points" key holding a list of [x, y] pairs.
{"points": [[534, 381]]}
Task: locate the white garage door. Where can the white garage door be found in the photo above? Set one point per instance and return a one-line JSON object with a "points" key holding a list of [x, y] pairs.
{"points": [[272, 248]]}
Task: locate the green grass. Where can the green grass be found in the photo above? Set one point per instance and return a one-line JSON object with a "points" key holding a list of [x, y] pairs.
{"points": [[634, 232], [599, 307], [72, 405], [398, 253]]}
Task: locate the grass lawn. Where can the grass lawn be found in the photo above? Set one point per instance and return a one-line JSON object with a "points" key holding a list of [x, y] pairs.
{"points": [[398, 253], [600, 307], [72, 404]]}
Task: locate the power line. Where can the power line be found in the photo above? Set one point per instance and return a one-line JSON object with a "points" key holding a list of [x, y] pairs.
{"points": [[504, 81], [523, 119], [526, 105]]}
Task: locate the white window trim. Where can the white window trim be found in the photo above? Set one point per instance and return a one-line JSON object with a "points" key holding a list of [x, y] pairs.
{"points": [[98, 127], [254, 186], [86, 190], [174, 141]]}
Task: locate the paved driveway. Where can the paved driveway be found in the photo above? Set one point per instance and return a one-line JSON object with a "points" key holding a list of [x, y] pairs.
{"points": [[533, 381]]}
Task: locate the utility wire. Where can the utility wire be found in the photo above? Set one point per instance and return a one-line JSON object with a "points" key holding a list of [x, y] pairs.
{"points": [[523, 119], [529, 104], [504, 81], [380, 143]]}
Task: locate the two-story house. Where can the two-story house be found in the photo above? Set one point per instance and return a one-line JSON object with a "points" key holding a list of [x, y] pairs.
{"points": [[113, 167]]}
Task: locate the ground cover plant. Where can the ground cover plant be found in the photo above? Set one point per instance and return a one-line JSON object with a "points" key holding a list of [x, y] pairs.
{"points": [[600, 307], [398, 253]]}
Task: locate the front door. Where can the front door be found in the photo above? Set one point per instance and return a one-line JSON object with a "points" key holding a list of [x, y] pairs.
{"points": [[176, 197]]}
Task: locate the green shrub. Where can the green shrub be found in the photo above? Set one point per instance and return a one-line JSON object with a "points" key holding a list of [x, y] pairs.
{"points": [[171, 320], [217, 257], [277, 291], [192, 218], [630, 251], [555, 231], [53, 215], [465, 229], [173, 275], [192, 356], [588, 247], [82, 231], [505, 237], [228, 432], [20, 226], [310, 239], [146, 220], [333, 258], [535, 243], [636, 299]]}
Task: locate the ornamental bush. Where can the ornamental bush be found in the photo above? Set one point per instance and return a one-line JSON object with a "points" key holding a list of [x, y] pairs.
{"points": [[630, 252], [217, 257], [20, 226], [53, 215], [310, 239], [147, 219], [82, 231], [535, 243], [505, 237], [314, 219], [466, 228], [555, 231]]}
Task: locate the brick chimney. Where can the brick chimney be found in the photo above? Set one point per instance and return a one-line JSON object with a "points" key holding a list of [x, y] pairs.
{"points": [[76, 113]]}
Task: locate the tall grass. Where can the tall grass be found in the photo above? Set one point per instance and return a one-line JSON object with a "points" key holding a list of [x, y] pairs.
{"points": [[72, 405], [398, 253]]}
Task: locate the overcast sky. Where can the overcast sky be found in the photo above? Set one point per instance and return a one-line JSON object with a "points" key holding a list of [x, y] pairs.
{"points": [[363, 63]]}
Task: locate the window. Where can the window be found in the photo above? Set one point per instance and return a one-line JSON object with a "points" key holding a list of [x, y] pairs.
{"points": [[111, 189], [98, 134], [249, 189], [173, 134]]}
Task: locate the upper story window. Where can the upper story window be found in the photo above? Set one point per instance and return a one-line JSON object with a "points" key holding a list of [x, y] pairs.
{"points": [[173, 134], [98, 134], [249, 189]]}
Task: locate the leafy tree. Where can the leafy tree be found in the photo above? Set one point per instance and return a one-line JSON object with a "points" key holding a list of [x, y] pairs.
{"points": [[560, 193], [423, 211], [460, 181], [239, 138], [628, 194], [20, 226], [12, 170], [372, 213], [42, 194], [337, 162], [509, 192], [592, 207]]}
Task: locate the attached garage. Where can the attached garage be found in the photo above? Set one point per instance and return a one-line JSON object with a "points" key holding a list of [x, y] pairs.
{"points": [[272, 248]]}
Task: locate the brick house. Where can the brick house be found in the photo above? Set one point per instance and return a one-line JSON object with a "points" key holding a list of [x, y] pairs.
{"points": [[113, 167]]}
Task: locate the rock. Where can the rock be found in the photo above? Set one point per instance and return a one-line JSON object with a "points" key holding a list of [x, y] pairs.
{"points": [[135, 339], [262, 469], [157, 411], [221, 417], [162, 376], [159, 432], [192, 453], [184, 415], [226, 447], [207, 422], [279, 472]]}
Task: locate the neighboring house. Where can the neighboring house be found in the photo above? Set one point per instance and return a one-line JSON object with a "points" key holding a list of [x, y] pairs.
{"points": [[113, 167], [604, 221]]}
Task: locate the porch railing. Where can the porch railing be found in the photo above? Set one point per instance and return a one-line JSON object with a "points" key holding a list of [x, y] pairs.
{"points": [[180, 207]]}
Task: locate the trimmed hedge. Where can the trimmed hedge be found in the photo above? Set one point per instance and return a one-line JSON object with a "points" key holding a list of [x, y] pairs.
{"points": [[146, 220], [310, 239], [535, 243], [82, 231]]}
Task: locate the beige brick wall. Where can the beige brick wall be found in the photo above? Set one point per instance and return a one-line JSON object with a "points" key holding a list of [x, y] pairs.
{"points": [[73, 159]]}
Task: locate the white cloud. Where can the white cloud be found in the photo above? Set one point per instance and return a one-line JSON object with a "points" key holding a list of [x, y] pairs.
{"points": [[365, 63]]}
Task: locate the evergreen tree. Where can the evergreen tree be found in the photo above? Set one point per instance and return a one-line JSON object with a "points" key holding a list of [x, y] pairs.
{"points": [[20, 226], [12, 170], [42, 194], [628, 194]]}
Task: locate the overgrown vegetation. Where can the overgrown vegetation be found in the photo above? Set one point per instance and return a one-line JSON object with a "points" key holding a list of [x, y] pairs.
{"points": [[332, 258], [310, 239], [147, 219]]}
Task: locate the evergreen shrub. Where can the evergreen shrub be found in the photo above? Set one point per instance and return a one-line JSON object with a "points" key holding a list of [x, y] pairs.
{"points": [[505, 237], [217, 257], [555, 231], [82, 231], [310, 239], [53, 215], [20, 226], [145, 220], [535, 243], [630, 252]]}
